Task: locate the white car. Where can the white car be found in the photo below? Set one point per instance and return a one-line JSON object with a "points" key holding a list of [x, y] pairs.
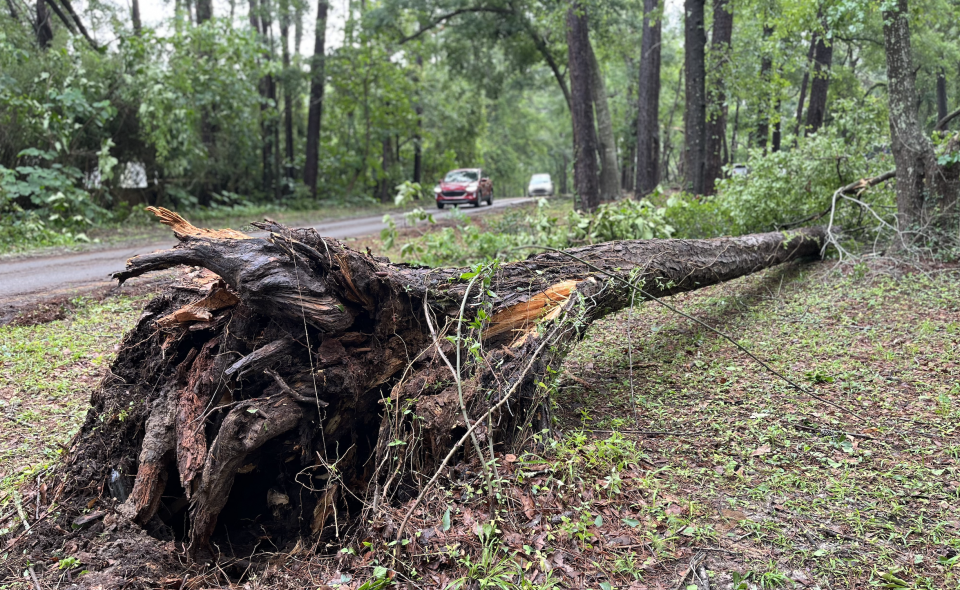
{"points": [[540, 185]]}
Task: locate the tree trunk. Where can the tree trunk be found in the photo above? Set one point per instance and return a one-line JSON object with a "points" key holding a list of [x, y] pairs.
{"points": [[803, 87], [384, 185], [585, 177], [607, 148], [775, 140], [44, 29], [717, 116], [232, 390], [288, 90], [204, 11], [695, 112], [315, 115], [941, 95], [418, 136], [822, 58], [648, 102], [763, 125], [135, 17], [912, 151]]}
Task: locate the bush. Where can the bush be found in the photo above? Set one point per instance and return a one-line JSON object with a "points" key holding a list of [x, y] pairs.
{"points": [[788, 186]]}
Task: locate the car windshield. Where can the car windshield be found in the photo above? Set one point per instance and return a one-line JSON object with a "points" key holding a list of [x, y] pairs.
{"points": [[462, 176], [540, 179]]}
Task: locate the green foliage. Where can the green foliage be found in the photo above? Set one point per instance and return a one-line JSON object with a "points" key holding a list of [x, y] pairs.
{"points": [[787, 186], [467, 243]]}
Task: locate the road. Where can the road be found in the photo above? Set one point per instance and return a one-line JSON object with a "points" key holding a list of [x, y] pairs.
{"points": [[61, 274]]}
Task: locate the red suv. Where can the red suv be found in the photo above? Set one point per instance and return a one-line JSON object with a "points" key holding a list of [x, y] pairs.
{"points": [[466, 185]]}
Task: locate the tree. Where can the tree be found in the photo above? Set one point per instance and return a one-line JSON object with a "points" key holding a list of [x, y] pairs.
{"points": [[314, 342], [822, 59], [288, 89], [648, 101], [44, 29], [912, 151], [204, 11], [695, 111], [941, 94], [135, 17], [315, 113], [585, 136], [717, 116], [609, 170], [803, 86]]}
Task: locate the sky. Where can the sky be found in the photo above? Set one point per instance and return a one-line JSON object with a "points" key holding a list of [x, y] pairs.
{"points": [[154, 12]]}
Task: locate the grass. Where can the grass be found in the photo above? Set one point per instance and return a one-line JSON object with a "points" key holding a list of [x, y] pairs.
{"points": [[47, 373]]}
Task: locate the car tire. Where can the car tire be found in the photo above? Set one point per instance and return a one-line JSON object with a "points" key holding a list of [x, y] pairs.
{"points": [[490, 199], [478, 203], [439, 205]]}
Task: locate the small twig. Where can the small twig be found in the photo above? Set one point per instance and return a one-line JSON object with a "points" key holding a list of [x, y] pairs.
{"points": [[831, 431], [290, 391], [33, 575]]}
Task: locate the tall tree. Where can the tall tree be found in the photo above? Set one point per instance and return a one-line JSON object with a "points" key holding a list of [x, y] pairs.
{"points": [[912, 151], [44, 29], [585, 176], [695, 111], [766, 67], [717, 116], [822, 59], [648, 102], [941, 94], [607, 143], [135, 17], [288, 88], [803, 86], [315, 113], [204, 11], [418, 136]]}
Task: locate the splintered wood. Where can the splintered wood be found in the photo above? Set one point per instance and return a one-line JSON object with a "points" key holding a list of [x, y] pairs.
{"points": [[182, 227], [220, 297], [543, 306]]}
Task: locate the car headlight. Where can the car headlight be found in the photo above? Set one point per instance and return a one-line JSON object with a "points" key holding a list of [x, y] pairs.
{"points": [[437, 189], [472, 187]]}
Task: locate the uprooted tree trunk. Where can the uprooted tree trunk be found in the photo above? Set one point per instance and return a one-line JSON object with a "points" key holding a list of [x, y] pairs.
{"points": [[295, 380]]}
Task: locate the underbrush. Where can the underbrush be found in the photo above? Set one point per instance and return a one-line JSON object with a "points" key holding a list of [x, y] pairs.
{"points": [[519, 231]]}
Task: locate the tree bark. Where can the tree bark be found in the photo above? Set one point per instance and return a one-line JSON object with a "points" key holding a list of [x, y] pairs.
{"points": [[648, 102], [941, 95], [315, 114], [695, 112], [822, 59], [717, 115], [763, 125], [204, 11], [135, 17], [803, 87], [307, 348], [912, 151], [607, 142], [44, 29], [288, 90], [585, 177]]}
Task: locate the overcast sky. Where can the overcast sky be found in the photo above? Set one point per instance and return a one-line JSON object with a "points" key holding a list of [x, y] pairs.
{"points": [[154, 12]]}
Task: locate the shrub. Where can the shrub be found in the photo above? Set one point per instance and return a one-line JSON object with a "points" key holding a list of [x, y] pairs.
{"points": [[788, 186]]}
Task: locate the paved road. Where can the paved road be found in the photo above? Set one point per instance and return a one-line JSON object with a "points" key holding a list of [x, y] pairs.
{"points": [[52, 275]]}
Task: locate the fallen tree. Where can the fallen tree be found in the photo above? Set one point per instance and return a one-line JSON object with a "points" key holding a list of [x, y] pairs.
{"points": [[291, 380]]}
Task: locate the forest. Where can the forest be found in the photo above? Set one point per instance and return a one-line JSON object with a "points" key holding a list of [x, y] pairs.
{"points": [[723, 353]]}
